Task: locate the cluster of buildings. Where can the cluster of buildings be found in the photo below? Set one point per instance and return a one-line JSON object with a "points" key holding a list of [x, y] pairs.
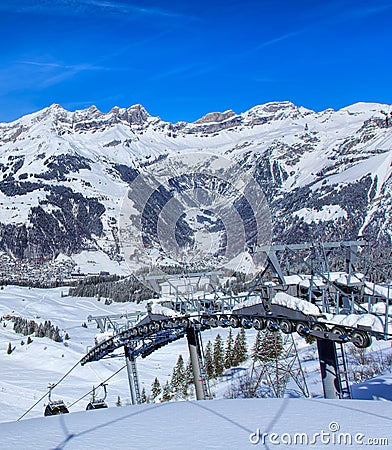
{"points": [[36, 273]]}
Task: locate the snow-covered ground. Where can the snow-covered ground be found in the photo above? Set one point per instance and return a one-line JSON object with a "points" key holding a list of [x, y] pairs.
{"points": [[218, 424], [25, 374], [95, 262]]}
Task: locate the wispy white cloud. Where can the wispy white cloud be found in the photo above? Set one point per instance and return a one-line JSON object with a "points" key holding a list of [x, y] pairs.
{"points": [[37, 75], [201, 69], [339, 12], [60, 66], [51, 72], [368, 10], [130, 8], [277, 40], [80, 7]]}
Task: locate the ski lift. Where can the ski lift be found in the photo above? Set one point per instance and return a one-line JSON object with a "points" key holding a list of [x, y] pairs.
{"points": [[98, 403], [54, 407]]}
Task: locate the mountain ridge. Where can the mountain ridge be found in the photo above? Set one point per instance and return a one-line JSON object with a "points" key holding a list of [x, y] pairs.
{"points": [[326, 175]]}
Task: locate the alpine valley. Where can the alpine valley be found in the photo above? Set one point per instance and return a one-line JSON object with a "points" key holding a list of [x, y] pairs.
{"points": [[326, 175]]}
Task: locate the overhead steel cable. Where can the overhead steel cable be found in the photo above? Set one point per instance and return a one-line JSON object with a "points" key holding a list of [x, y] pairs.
{"points": [[101, 384], [50, 389]]}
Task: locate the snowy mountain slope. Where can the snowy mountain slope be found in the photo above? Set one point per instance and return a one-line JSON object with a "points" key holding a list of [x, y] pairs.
{"points": [[63, 174], [27, 371]]}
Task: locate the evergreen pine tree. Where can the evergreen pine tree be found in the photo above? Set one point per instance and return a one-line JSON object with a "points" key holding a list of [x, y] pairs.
{"points": [[277, 339], [218, 356], [31, 327], [236, 356], [143, 396], [156, 389], [40, 331], [209, 361], [178, 380], [243, 346], [167, 392], [309, 339], [268, 346], [56, 335], [47, 329], [229, 350], [240, 351]]}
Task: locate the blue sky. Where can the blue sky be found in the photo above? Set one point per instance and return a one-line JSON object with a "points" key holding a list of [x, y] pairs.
{"points": [[183, 59]]}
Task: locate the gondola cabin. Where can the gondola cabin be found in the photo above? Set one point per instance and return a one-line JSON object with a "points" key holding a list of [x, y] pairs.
{"points": [[55, 408], [96, 404]]}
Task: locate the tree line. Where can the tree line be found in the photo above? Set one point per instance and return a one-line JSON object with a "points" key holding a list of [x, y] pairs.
{"points": [[218, 356], [129, 289], [29, 327]]}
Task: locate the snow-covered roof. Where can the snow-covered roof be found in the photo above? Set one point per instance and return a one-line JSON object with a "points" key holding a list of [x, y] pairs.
{"points": [[341, 277], [378, 289], [102, 337], [157, 308], [283, 299], [351, 279], [352, 320], [251, 301]]}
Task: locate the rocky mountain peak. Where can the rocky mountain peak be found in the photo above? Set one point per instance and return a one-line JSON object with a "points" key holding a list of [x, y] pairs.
{"points": [[54, 111], [137, 114], [274, 110], [215, 117]]}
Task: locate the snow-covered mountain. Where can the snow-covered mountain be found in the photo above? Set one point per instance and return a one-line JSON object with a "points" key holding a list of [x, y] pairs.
{"points": [[63, 175]]}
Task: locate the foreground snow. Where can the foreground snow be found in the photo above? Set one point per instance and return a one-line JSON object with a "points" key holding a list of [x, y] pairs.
{"points": [[378, 388], [218, 424]]}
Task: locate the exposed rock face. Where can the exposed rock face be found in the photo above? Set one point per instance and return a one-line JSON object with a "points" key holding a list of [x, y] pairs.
{"points": [[215, 117], [63, 174]]}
